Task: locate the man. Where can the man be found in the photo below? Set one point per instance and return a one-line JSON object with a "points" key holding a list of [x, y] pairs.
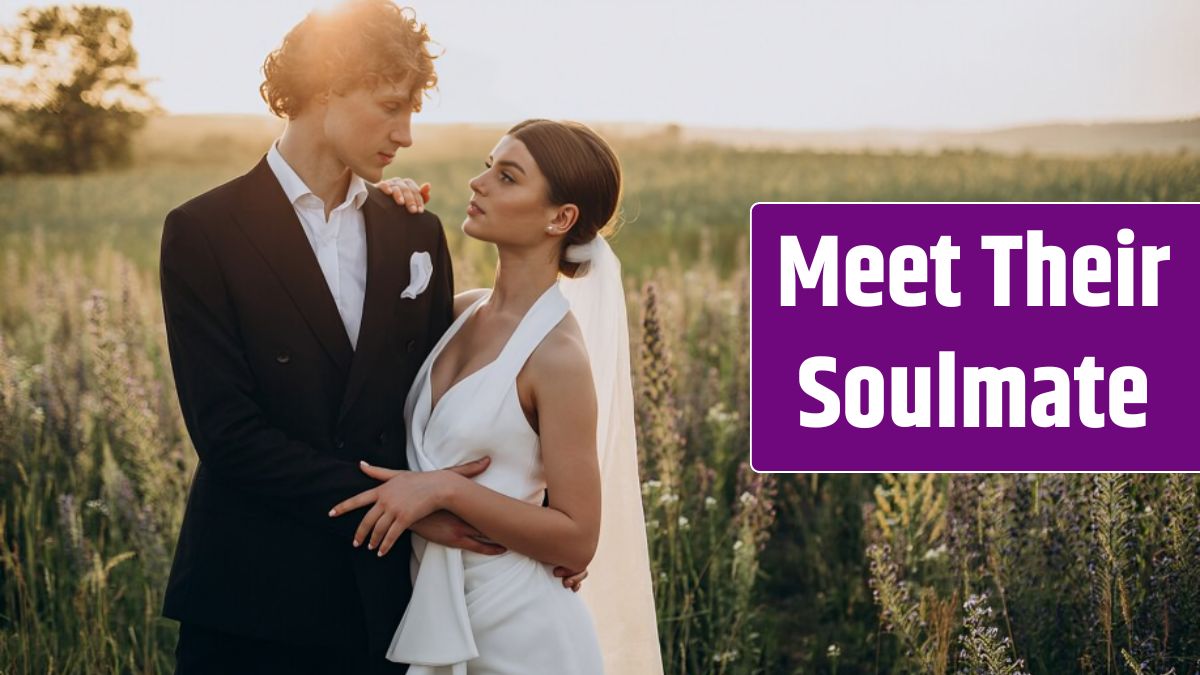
{"points": [[299, 303]]}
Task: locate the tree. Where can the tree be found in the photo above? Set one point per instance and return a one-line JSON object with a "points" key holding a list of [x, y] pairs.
{"points": [[70, 94]]}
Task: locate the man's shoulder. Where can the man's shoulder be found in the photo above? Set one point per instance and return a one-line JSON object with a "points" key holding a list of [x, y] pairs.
{"points": [[214, 202], [206, 216], [425, 223]]}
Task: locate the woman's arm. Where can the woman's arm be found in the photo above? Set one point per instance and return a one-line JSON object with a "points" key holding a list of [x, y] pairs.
{"points": [[564, 533], [558, 380]]}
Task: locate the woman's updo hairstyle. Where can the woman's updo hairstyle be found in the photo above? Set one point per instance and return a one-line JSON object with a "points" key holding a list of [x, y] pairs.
{"points": [[581, 169]]}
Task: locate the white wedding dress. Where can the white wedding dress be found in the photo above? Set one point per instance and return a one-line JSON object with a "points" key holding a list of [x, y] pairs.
{"points": [[474, 614]]}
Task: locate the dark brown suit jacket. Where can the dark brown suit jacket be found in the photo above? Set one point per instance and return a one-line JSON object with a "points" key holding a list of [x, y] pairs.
{"points": [[280, 409]]}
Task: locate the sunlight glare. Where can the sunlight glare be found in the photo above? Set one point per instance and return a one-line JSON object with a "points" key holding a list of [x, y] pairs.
{"points": [[323, 6]]}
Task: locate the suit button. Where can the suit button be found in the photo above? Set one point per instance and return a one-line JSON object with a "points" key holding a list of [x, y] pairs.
{"points": [[412, 345], [383, 437], [283, 357], [339, 443]]}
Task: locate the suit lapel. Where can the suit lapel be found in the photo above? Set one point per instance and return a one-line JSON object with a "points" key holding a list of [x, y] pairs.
{"points": [[385, 273], [270, 223]]}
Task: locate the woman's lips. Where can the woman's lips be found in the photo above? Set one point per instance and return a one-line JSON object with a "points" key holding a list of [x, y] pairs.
{"points": [[473, 209]]}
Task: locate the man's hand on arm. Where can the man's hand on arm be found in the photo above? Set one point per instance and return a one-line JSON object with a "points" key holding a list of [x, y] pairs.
{"points": [[447, 529], [387, 517], [571, 579]]}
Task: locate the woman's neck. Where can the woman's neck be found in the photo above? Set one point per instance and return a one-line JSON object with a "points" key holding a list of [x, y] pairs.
{"points": [[521, 278]]}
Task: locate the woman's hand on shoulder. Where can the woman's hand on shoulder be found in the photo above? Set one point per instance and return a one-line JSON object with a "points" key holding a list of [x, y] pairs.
{"points": [[406, 192]]}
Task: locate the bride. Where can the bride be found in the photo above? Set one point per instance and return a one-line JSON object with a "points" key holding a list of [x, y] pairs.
{"points": [[533, 376]]}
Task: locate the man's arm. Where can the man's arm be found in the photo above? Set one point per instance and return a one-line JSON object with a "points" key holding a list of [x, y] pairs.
{"points": [[215, 385]]}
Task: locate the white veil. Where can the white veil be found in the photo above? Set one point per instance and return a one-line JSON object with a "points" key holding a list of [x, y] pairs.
{"points": [[618, 590]]}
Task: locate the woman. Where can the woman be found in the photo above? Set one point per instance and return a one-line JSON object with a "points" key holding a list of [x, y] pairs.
{"points": [[531, 374]]}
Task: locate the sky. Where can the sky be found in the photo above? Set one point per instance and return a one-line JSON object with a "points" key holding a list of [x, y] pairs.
{"points": [[800, 64]]}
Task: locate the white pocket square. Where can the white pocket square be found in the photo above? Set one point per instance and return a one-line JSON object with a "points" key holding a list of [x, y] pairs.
{"points": [[420, 270]]}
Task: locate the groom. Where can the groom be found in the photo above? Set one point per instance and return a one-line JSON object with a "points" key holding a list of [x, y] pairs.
{"points": [[299, 303]]}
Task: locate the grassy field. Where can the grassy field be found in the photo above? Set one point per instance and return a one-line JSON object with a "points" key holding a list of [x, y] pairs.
{"points": [[790, 574]]}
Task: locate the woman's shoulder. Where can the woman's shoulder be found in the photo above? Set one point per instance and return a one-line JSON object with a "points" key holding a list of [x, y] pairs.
{"points": [[465, 299], [558, 374], [562, 354]]}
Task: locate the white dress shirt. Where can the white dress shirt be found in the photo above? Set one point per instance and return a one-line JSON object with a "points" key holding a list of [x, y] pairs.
{"points": [[339, 243]]}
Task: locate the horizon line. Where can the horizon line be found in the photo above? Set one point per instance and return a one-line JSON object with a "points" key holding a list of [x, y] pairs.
{"points": [[1077, 122]]}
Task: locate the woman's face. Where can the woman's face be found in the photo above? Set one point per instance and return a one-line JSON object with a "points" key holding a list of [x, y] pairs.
{"points": [[509, 203]]}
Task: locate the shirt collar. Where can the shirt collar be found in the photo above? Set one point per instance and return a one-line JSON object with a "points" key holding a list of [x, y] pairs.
{"points": [[295, 188]]}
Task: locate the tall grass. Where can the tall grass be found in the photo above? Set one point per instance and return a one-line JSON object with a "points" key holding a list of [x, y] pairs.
{"points": [[792, 574], [93, 464], [1062, 573]]}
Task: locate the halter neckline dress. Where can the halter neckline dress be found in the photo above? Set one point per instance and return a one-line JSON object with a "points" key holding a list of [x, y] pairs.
{"points": [[475, 614]]}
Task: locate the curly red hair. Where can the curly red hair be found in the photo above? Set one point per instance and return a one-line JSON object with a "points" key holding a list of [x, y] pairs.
{"points": [[359, 43]]}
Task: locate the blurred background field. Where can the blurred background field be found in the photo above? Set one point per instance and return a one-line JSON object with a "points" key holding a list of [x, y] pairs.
{"points": [[682, 184], [771, 574]]}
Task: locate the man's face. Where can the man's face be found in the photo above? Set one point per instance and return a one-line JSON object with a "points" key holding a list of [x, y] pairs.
{"points": [[365, 127]]}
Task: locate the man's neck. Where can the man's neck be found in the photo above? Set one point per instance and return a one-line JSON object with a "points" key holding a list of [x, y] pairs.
{"points": [[304, 150]]}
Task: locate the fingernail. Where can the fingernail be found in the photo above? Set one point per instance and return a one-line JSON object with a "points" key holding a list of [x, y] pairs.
{"points": [[355, 543], [363, 463], [380, 554], [332, 512], [370, 547]]}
